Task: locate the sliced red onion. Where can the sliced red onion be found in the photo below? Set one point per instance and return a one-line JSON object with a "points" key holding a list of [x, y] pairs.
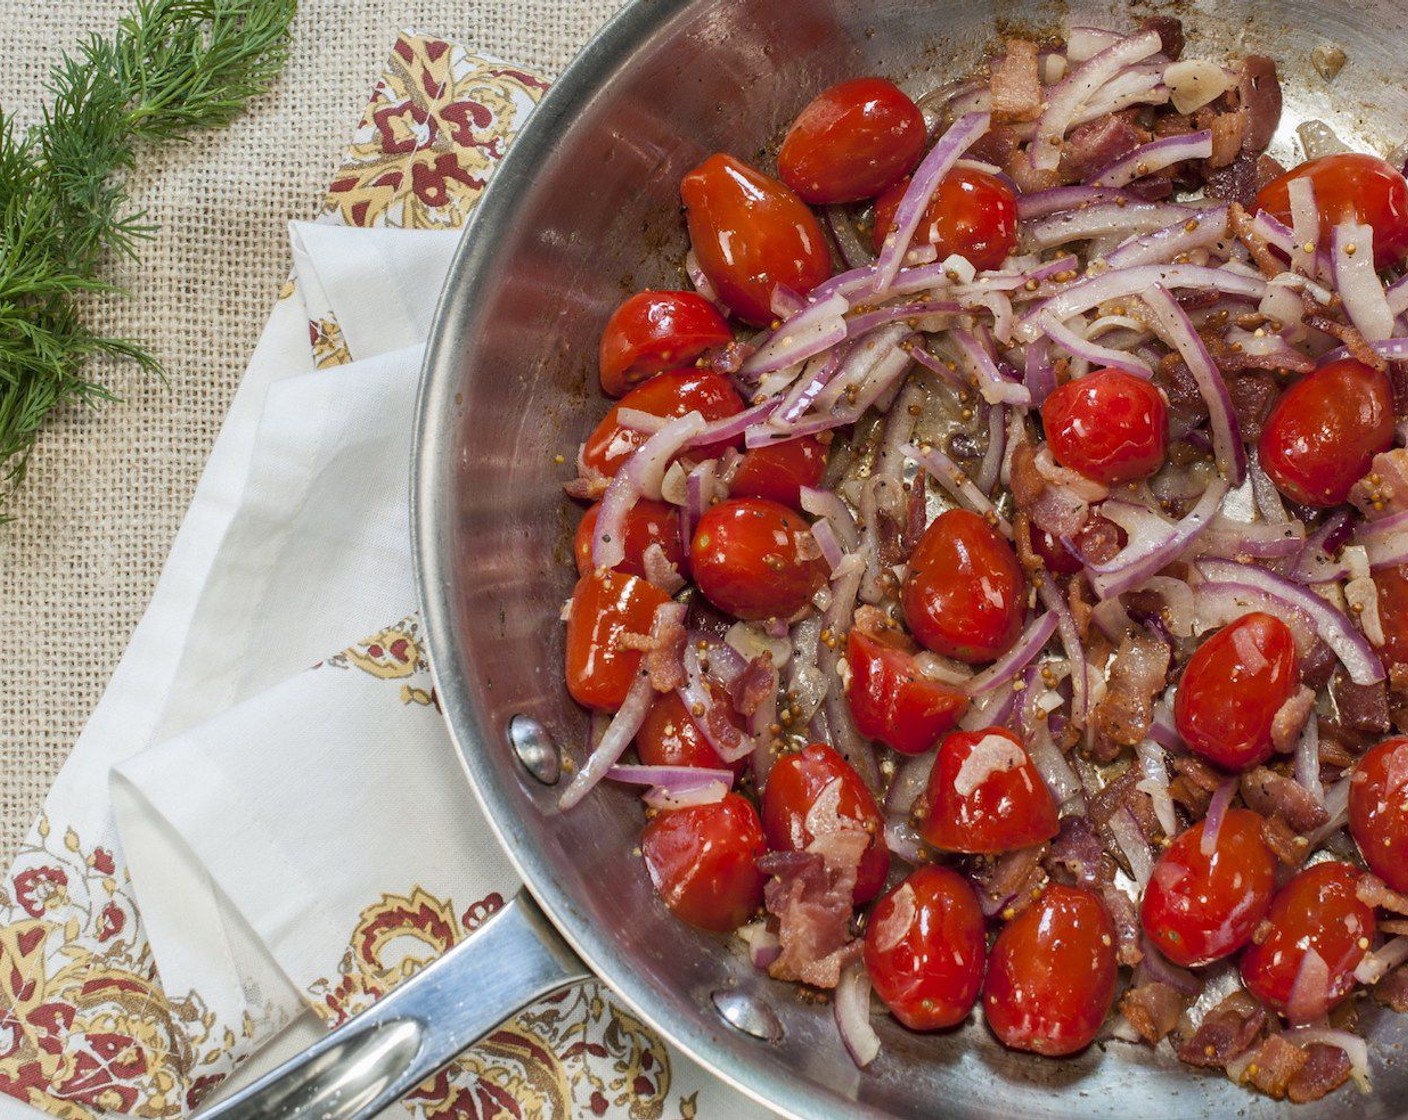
{"points": [[815, 328], [952, 478], [1354, 1047], [1202, 231], [910, 780], [828, 504], [927, 178], [815, 377], [1337, 805], [1077, 88], [1235, 540], [1039, 375], [1055, 771], [1130, 840], [806, 686], [1122, 283], [1385, 542], [701, 488], [701, 282], [619, 733], [1268, 498], [994, 387], [1315, 563], [1040, 204], [1394, 349], [900, 420], [729, 428], [677, 778], [1398, 295], [1154, 544], [764, 946], [1357, 283], [1098, 356], [871, 363], [849, 743], [1083, 43], [864, 323], [1105, 219], [997, 443], [1333, 626], [1155, 156], [949, 375], [852, 1006], [884, 379], [1274, 232], [1220, 603], [1305, 225], [1162, 729], [784, 302], [854, 251], [831, 550], [1217, 811], [639, 421], [1154, 766], [1005, 669], [904, 841], [712, 714], [1308, 759], [1160, 968], [1374, 966], [1137, 85], [707, 793], [992, 709], [640, 476], [1075, 649]]}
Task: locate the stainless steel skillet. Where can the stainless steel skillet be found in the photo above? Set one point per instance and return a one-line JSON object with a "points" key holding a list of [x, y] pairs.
{"points": [[584, 209]]}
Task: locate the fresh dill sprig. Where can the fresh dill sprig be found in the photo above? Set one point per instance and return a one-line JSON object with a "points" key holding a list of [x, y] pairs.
{"points": [[173, 67]]}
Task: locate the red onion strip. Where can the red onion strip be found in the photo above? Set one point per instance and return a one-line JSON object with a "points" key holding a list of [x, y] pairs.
{"points": [[997, 443], [1217, 810], [903, 841], [1307, 762], [1374, 966], [1097, 355], [1208, 228], [622, 729], [640, 476], [1104, 219], [851, 1004], [1005, 668], [1356, 282], [1039, 375], [828, 504], [1041, 204], [814, 329], [1149, 551], [1124, 828], [831, 550], [1075, 649], [995, 388], [1305, 225], [1147, 159], [678, 778], [952, 478], [700, 281], [854, 251], [1314, 563]]}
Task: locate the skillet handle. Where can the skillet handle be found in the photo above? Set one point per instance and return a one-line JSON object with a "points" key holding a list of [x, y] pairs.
{"points": [[373, 1060]]}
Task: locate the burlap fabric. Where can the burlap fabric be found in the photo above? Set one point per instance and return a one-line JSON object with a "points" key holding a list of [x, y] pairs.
{"points": [[108, 488]]}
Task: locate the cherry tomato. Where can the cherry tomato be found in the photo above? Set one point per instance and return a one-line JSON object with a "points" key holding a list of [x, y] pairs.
{"points": [[1200, 908], [973, 214], [1052, 973], [1392, 587], [985, 795], [817, 787], [1110, 426], [749, 561], [606, 605], [891, 700], [964, 595], [702, 861], [779, 471], [1378, 811], [750, 233], [1232, 688], [647, 523], [668, 394], [1323, 432], [851, 142], [1317, 911], [925, 944], [1354, 187], [669, 736], [655, 331]]}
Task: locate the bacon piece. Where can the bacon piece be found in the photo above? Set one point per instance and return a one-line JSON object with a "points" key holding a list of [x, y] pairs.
{"points": [[1275, 795], [1000, 146], [1361, 707], [1326, 1069], [1285, 843], [1260, 92], [1354, 342], [1290, 719], [1093, 146], [1229, 1030], [754, 685], [664, 654], [660, 569], [1016, 84], [1009, 883], [1057, 509], [1076, 855], [1137, 676], [1229, 130], [1128, 950], [810, 895], [1170, 29], [1153, 1010], [1187, 408], [1384, 490], [1373, 891], [1242, 179], [1392, 990], [1275, 1065]]}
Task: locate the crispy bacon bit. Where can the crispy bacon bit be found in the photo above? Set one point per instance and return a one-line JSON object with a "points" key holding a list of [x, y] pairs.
{"points": [[664, 654], [1241, 223], [1198, 772], [660, 569], [1373, 891], [1186, 406], [1275, 795], [728, 358], [754, 685], [1229, 1030], [1361, 707], [1260, 91], [998, 146], [1099, 541], [1384, 490], [1170, 29], [1016, 84], [1242, 179], [1392, 990], [1289, 720], [1275, 1064], [1136, 678], [810, 895], [1009, 883], [1285, 843], [1057, 509], [1076, 855], [1354, 341], [1153, 1010], [1190, 795], [1128, 950], [1093, 146], [1229, 130], [1326, 1069]]}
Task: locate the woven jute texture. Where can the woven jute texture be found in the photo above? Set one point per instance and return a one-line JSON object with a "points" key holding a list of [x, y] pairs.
{"points": [[108, 488]]}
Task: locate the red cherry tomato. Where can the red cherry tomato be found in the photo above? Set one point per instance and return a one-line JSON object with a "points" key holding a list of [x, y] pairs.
{"points": [[891, 700], [655, 331], [749, 562], [986, 795], [669, 736], [1052, 974], [1109, 426], [1353, 187], [1200, 908], [924, 948], [1392, 587], [750, 234], [670, 395], [702, 861], [964, 595], [1323, 432], [606, 605], [778, 471], [817, 787], [851, 142], [1378, 811], [1232, 688], [647, 523], [1318, 911], [973, 214]]}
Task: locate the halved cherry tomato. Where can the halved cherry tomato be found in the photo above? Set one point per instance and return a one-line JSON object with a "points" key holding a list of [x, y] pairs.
{"points": [[1232, 688], [973, 214], [814, 791], [891, 700], [1351, 186], [605, 605], [1317, 912], [669, 736], [1378, 811], [750, 234], [1323, 432], [702, 861], [655, 331], [964, 595], [985, 795], [1110, 426], [670, 395], [749, 559], [1392, 587], [1199, 908], [851, 142], [1052, 973], [779, 471], [925, 944], [647, 523]]}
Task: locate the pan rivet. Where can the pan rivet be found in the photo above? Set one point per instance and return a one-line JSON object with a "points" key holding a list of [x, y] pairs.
{"points": [[746, 1013], [535, 749]]}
